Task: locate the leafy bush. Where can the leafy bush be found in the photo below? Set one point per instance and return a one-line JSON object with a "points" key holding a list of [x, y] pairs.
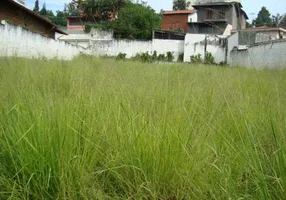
{"points": [[209, 59], [170, 56], [162, 57], [197, 59], [180, 58], [154, 56], [121, 56]]}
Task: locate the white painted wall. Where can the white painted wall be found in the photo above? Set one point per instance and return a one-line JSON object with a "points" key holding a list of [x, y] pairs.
{"points": [[132, 47], [16, 41], [114, 47], [193, 17], [164, 46], [263, 55], [195, 44], [82, 39]]}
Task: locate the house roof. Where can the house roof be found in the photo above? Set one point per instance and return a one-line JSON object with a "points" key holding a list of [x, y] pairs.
{"points": [[245, 15], [221, 4], [216, 4], [178, 12], [55, 27], [264, 29]]}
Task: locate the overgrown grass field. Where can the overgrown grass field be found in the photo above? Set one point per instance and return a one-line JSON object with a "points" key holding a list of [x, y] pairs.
{"points": [[98, 128]]}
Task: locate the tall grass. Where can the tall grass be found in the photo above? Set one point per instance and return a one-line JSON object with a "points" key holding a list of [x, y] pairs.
{"points": [[105, 129]]}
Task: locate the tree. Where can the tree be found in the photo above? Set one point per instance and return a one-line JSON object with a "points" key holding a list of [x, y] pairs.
{"points": [[282, 22], [276, 19], [263, 18], [70, 10], [248, 25], [60, 19], [43, 10], [36, 8], [102, 10], [136, 21], [181, 5]]}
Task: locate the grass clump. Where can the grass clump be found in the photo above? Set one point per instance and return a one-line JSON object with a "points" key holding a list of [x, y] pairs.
{"points": [[103, 129]]}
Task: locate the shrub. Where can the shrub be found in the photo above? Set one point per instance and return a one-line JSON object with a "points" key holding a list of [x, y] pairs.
{"points": [[180, 58], [196, 59], [209, 59], [162, 57], [170, 56], [121, 56], [154, 56]]}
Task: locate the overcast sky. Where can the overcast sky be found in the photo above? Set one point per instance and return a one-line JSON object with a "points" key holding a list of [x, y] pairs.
{"points": [[251, 7]]}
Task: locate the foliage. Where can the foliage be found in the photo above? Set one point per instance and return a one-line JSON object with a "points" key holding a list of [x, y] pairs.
{"points": [[162, 57], [71, 9], [136, 21], [196, 59], [180, 58], [101, 26], [181, 5], [36, 8], [248, 25], [44, 11], [60, 19], [263, 18], [282, 22], [121, 56], [98, 10], [96, 128], [170, 56], [147, 58], [276, 19], [209, 59]]}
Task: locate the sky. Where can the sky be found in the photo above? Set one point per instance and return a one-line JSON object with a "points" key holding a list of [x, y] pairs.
{"points": [[252, 7]]}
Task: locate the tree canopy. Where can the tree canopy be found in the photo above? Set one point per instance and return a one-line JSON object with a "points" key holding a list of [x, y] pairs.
{"points": [[263, 18], [181, 5], [36, 8], [282, 21], [127, 19], [136, 21]]}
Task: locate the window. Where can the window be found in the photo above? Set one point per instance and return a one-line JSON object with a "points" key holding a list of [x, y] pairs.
{"points": [[221, 14], [209, 14]]}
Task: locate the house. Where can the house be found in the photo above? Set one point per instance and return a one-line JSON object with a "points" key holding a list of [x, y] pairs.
{"points": [[178, 19], [260, 34], [218, 17], [75, 23], [17, 14]]}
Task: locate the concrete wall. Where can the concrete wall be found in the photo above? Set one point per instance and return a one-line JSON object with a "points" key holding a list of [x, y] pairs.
{"points": [[196, 43], [164, 46], [114, 47], [193, 17], [16, 41], [82, 39], [263, 55]]}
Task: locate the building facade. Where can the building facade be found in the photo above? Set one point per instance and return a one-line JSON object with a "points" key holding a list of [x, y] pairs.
{"points": [[75, 23], [178, 19], [216, 18]]}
